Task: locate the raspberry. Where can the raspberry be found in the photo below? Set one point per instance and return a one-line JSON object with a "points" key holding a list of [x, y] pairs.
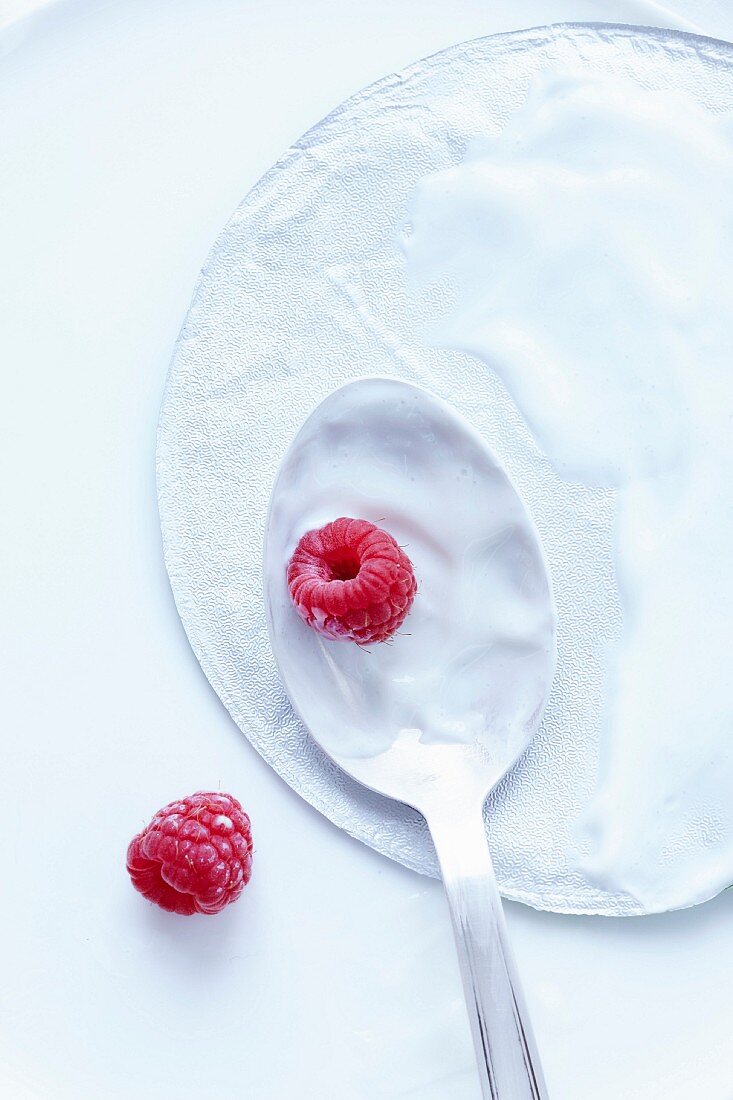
{"points": [[195, 856], [351, 580]]}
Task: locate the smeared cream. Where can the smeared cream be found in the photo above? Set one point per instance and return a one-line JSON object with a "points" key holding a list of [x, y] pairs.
{"points": [[474, 658], [588, 249]]}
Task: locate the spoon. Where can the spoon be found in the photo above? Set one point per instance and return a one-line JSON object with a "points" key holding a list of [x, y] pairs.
{"points": [[438, 716]]}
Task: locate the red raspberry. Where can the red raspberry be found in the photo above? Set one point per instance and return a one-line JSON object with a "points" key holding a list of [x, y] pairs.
{"points": [[351, 580], [195, 856]]}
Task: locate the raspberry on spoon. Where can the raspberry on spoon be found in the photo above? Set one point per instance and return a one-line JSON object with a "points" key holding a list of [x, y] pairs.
{"points": [[350, 580], [195, 856]]}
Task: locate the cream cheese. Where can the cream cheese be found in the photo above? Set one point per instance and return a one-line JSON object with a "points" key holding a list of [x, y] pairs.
{"points": [[588, 249]]}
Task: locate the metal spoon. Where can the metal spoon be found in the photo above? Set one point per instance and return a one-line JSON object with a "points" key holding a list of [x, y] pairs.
{"points": [[368, 451]]}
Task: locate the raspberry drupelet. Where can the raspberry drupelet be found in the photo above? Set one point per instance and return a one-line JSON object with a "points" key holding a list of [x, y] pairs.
{"points": [[350, 580], [195, 856]]}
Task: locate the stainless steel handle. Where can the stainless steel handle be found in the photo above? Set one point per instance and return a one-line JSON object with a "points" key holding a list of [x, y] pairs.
{"points": [[509, 1066]]}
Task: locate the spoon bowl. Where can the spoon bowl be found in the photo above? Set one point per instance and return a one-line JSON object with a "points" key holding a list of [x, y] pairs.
{"points": [[436, 717]]}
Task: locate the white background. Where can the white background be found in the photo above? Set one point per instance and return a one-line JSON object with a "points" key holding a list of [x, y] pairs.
{"points": [[129, 130]]}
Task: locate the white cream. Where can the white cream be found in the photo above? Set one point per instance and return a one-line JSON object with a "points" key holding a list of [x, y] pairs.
{"points": [[588, 248], [474, 659]]}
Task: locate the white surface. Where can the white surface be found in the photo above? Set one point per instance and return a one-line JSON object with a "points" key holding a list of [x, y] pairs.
{"points": [[128, 133]]}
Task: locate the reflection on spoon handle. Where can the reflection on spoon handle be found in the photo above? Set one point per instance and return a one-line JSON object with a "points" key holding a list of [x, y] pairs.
{"points": [[509, 1066]]}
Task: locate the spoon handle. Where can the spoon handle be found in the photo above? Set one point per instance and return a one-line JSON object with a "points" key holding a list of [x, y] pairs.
{"points": [[509, 1066]]}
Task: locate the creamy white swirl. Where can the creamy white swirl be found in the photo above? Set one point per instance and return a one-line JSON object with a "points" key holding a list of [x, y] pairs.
{"points": [[589, 251]]}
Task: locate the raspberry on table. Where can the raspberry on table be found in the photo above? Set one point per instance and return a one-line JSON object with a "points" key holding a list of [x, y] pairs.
{"points": [[195, 856], [350, 580]]}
